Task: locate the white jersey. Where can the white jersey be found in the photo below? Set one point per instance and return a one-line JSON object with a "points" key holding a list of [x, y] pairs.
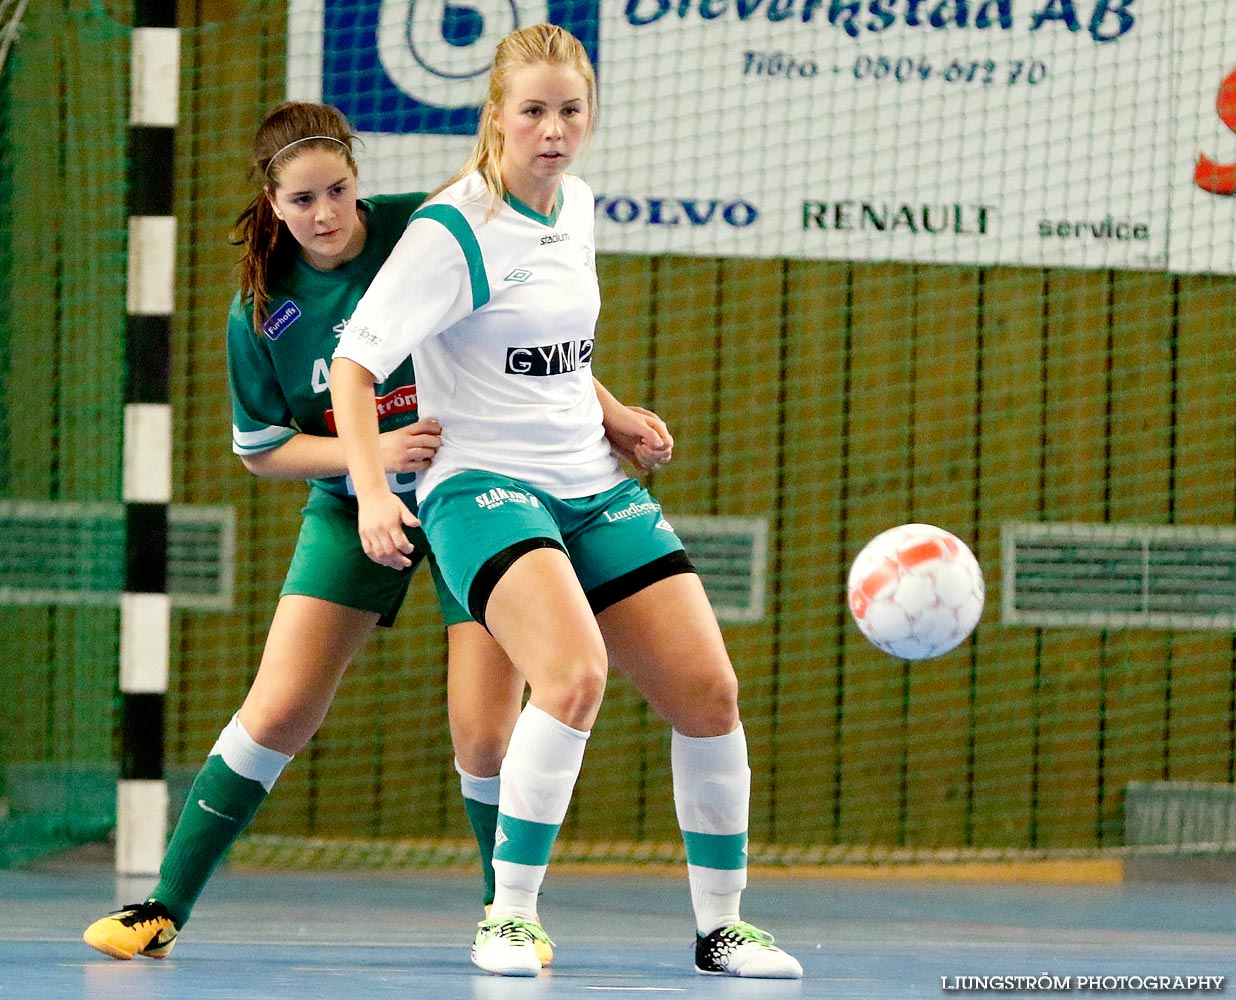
{"points": [[498, 313]]}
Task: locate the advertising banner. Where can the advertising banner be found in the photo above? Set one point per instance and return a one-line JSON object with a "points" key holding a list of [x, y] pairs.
{"points": [[1202, 186], [1063, 133]]}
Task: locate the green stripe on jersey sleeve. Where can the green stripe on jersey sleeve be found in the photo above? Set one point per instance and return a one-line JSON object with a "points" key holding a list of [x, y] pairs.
{"points": [[249, 442], [458, 227]]}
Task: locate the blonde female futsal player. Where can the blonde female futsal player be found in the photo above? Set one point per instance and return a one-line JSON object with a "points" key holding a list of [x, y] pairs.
{"points": [[493, 292], [310, 250]]}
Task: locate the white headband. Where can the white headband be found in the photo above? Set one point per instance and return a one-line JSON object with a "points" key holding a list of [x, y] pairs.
{"points": [[294, 142]]}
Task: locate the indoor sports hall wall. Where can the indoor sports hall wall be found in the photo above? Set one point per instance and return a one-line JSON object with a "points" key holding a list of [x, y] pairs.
{"points": [[830, 398]]}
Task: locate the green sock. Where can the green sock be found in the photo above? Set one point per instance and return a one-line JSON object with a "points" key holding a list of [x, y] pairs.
{"points": [[220, 805], [484, 821]]}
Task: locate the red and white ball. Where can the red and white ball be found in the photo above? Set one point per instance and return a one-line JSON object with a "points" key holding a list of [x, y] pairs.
{"points": [[916, 591]]}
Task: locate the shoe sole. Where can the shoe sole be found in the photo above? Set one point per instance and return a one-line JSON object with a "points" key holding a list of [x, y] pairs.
{"points": [[523, 971], [735, 975], [107, 948]]}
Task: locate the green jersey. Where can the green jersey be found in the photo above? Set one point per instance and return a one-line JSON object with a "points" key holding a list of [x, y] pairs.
{"points": [[280, 378]]}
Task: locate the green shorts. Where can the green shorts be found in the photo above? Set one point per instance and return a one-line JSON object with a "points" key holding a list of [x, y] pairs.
{"points": [[480, 523], [329, 563]]}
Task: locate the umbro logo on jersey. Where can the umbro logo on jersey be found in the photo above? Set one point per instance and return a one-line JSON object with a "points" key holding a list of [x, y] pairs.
{"points": [[281, 319], [519, 274], [664, 525]]}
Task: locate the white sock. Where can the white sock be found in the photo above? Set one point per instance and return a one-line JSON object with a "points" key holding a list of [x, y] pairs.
{"points": [[712, 793], [247, 757], [483, 790], [538, 777]]}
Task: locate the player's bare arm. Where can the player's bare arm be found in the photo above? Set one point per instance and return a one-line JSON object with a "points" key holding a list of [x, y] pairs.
{"points": [[311, 456], [637, 434], [381, 515]]}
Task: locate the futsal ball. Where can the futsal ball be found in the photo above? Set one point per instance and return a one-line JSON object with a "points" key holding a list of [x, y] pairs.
{"points": [[916, 591]]}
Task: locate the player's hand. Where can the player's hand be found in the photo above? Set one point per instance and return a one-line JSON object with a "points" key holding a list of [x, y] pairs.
{"points": [[641, 437], [380, 521], [410, 448]]}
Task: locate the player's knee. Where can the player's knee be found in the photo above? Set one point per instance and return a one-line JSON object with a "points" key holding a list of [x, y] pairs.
{"points": [[289, 737], [588, 687], [720, 690], [713, 708], [281, 725], [480, 753], [575, 695]]}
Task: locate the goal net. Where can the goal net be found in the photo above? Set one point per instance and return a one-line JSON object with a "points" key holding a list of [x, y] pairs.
{"points": [[968, 264]]}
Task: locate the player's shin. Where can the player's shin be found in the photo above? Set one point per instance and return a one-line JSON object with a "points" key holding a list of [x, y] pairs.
{"points": [[712, 791], [480, 797], [229, 789], [538, 776]]}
